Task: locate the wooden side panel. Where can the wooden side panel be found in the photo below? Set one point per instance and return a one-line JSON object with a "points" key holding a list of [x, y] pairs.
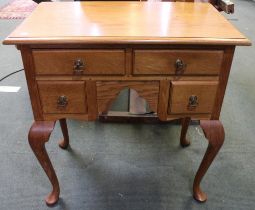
{"points": [[108, 91], [92, 99], [163, 99], [96, 62], [31, 82], [74, 92], [223, 80], [181, 92], [196, 62]]}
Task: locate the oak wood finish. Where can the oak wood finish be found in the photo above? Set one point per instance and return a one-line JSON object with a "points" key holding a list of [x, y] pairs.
{"points": [[73, 91], [214, 132], [108, 91], [38, 135], [205, 91], [28, 63], [126, 45], [126, 23], [162, 62], [129, 60], [127, 78], [163, 99], [224, 74], [91, 90], [96, 62]]}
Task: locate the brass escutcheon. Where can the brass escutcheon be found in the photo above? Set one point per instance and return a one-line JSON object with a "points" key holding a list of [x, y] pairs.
{"points": [[180, 66], [62, 101], [193, 101], [78, 67]]}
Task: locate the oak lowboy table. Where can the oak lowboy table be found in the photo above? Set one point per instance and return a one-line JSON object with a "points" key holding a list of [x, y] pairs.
{"points": [[79, 56]]}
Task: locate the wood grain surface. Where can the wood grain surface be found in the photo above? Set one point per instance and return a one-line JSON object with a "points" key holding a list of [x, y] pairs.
{"points": [[38, 135], [28, 63], [205, 91], [163, 99], [164, 61], [96, 62], [73, 91], [126, 22], [215, 134], [108, 91]]}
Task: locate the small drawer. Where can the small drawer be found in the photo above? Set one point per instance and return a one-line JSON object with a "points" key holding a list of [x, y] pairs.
{"points": [[192, 97], [79, 62], [62, 97], [180, 62]]}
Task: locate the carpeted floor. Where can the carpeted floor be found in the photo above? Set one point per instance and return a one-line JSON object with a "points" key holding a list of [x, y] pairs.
{"points": [[17, 9]]}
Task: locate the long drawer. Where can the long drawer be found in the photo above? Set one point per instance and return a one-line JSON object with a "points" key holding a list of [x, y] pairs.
{"points": [[63, 97], [79, 62], [192, 97], [176, 62]]}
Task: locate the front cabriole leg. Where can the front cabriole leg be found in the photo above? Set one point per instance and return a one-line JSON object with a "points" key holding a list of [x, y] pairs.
{"points": [[38, 135], [214, 132]]}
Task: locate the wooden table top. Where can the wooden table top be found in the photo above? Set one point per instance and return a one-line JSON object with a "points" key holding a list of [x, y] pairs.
{"points": [[127, 23]]}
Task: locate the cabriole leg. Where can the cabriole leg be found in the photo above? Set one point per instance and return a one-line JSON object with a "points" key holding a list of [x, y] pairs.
{"points": [[185, 125], [214, 132], [64, 143], [38, 135]]}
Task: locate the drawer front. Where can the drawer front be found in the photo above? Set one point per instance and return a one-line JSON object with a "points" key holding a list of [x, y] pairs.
{"points": [[192, 97], [79, 62], [187, 62], [62, 97]]}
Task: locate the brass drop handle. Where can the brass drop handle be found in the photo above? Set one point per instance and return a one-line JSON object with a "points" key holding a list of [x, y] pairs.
{"points": [[78, 67], [62, 101], [180, 66], [193, 101]]}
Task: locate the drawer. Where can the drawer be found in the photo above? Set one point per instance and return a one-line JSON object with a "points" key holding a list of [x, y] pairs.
{"points": [[79, 62], [187, 62], [192, 96], [62, 97]]}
